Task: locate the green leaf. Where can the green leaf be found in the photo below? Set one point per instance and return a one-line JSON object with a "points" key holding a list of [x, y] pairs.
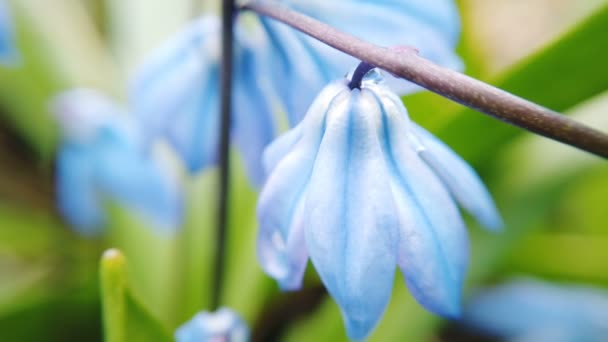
{"points": [[142, 326], [197, 245], [152, 256], [113, 295], [566, 72], [124, 316]]}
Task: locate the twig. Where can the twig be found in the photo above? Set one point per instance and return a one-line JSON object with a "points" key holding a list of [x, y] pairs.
{"points": [[445, 82]]}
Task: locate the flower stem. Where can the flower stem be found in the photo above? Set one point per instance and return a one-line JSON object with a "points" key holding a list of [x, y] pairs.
{"points": [[228, 10], [445, 82], [358, 75]]}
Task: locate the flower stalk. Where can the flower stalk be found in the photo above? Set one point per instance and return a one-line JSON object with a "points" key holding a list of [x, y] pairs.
{"points": [[228, 10], [445, 82]]}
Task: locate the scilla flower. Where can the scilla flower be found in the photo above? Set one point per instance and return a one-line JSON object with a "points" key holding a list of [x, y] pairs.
{"points": [[176, 92], [223, 325], [102, 159], [360, 190], [8, 52], [530, 310]]}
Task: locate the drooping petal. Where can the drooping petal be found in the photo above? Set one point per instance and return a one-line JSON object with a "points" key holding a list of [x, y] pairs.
{"points": [[76, 194], [286, 184], [194, 131], [125, 174], [439, 15], [175, 93], [463, 182], [434, 244], [8, 50], [285, 261], [351, 230], [102, 158], [524, 308], [295, 65], [253, 122], [281, 247], [550, 334], [222, 325], [430, 26], [80, 112], [280, 147]]}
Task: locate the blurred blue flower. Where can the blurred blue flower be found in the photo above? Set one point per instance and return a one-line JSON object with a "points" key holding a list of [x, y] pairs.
{"points": [[360, 190], [176, 92], [8, 51], [102, 158], [527, 310], [223, 325]]}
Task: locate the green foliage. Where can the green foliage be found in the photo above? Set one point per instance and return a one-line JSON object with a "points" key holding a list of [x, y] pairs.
{"points": [[566, 72], [124, 317]]}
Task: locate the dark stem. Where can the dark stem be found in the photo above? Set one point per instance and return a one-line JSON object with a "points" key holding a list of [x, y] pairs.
{"points": [[445, 82], [362, 69], [228, 10]]}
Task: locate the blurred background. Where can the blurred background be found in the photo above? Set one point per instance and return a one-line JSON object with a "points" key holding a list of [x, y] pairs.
{"points": [[552, 197]]}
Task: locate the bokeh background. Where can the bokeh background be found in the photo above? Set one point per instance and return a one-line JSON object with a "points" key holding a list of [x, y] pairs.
{"points": [[553, 197]]}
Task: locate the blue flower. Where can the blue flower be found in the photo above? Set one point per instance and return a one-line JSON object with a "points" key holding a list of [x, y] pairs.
{"points": [[102, 158], [175, 93], [303, 63], [360, 190], [222, 325], [8, 51], [530, 310]]}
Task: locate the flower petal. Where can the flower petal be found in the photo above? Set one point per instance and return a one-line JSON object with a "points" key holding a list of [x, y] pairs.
{"points": [[253, 124], [124, 174], [294, 66], [351, 230], [76, 195], [285, 185], [8, 50], [280, 147], [464, 184], [284, 261], [524, 307], [175, 93], [222, 325], [432, 27], [434, 244]]}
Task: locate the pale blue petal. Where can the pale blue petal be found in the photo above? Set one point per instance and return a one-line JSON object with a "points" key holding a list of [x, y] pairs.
{"points": [[102, 158], [281, 249], [297, 72], [434, 244], [351, 230], [194, 129], [523, 307], [80, 112], [441, 15], [8, 50], [464, 184], [76, 194], [253, 122], [175, 93], [284, 261], [124, 174], [285, 185], [280, 147], [431, 26], [551, 334], [222, 325]]}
